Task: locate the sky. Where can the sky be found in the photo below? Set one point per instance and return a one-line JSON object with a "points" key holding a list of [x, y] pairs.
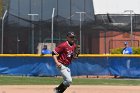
{"points": [[116, 6]]}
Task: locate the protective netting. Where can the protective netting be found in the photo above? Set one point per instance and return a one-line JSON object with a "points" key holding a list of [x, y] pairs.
{"points": [[19, 26], [118, 22]]}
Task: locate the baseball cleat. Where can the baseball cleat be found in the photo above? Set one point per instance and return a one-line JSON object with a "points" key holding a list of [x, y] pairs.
{"points": [[56, 90]]}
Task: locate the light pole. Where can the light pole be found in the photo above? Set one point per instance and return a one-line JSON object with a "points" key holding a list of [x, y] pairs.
{"points": [[80, 30], [131, 22], [32, 18], [52, 29], [2, 31]]}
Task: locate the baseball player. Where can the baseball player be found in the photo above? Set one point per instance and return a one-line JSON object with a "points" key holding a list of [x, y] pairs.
{"points": [[63, 55], [127, 49], [45, 50]]}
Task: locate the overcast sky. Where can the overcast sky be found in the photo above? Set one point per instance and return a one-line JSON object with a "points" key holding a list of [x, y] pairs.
{"points": [[116, 6]]}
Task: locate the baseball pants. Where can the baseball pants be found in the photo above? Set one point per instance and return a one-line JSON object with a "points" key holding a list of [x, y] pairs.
{"points": [[66, 74]]}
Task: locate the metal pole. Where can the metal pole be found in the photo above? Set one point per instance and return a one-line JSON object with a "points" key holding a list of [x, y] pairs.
{"points": [[52, 29], [18, 44], [131, 22], [2, 39], [131, 28], [2, 32], [80, 30], [32, 18]]}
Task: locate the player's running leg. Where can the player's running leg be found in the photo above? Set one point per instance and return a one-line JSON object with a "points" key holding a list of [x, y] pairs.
{"points": [[66, 74]]}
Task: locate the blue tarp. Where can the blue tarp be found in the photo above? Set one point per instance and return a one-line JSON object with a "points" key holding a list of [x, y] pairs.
{"points": [[125, 67], [45, 66]]}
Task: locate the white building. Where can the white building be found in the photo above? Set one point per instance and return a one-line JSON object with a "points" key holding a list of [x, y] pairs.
{"points": [[116, 6]]}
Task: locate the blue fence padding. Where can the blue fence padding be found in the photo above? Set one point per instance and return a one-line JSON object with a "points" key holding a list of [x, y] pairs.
{"points": [[32, 66], [89, 66], [45, 66], [126, 67]]}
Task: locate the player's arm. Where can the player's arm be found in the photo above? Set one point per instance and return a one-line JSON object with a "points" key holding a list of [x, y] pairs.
{"points": [[42, 52], [54, 55], [131, 50]]}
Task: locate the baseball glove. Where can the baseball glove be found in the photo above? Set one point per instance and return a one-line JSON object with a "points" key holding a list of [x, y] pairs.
{"points": [[77, 51]]}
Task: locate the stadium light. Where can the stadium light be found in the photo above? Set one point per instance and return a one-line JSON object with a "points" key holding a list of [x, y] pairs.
{"points": [[131, 22], [32, 18], [2, 31], [80, 30]]}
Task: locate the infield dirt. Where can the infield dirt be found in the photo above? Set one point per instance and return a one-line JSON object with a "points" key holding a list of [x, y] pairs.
{"points": [[71, 89]]}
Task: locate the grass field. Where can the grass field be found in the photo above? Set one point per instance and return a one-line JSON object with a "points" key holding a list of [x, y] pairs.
{"points": [[19, 80]]}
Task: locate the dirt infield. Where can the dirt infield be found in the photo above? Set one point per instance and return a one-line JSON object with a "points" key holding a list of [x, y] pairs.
{"points": [[71, 89]]}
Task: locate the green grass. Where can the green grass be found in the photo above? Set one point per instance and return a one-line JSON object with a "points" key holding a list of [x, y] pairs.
{"points": [[18, 80]]}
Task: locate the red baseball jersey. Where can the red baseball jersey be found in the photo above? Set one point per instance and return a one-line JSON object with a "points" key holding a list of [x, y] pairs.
{"points": [[65, 52]]}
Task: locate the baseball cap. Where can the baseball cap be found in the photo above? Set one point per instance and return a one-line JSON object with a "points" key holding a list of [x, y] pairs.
{"points": [[125, 43], [70, 34]]}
